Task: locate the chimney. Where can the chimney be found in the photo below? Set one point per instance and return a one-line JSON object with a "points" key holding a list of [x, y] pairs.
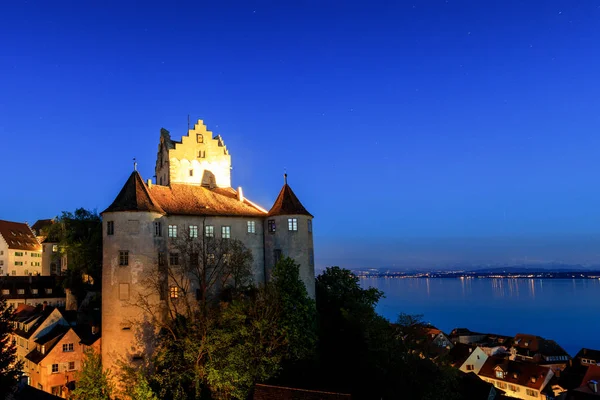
{"points": [[44, 305], [593, 386], [240, 194], [149, 183]]}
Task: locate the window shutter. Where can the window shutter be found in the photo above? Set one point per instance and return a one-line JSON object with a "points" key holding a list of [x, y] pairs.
{"points": [[49, 368]]}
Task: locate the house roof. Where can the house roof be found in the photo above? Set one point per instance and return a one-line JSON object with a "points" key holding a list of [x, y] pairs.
{"points": [[572, 376], [40, 225], [26, 392], [183, 199], [590, 354], [592, 374], [459, 354], [287, 203], [134, 196], [85, 334], [49, 340], [473, 387], [516, 372], [38, 316], [19, 236], [269, 392]]}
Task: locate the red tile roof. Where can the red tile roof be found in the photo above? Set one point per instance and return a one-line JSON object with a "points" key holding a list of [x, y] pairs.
{"points": [[183, 199], [269, 392], [19, 236], [288, 204], [134, 197], [593, 374], [524, 374]]}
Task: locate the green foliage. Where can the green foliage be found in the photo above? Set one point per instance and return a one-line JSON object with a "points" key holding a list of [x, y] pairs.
{"points": [[361, 353], [93, 382], [298, 317], [79, 237], [141, 390], [9, 367], [247, 345]]}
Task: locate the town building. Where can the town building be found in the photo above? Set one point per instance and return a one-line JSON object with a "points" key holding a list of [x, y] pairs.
{"points": [[535, 349], [192, 198], [33, 290], [474, 361], [53, 263], [51, 346], [588, 357], [518, 379], [20, 251]]}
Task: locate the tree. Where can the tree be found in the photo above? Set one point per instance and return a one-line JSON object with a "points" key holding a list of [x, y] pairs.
{"points": [[362, 353], [79, 237], [93, 382], [10, 368], [298, 319]]}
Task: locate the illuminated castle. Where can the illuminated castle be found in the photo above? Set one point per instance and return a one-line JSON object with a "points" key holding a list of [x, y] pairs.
{"points": [[192, 194]]}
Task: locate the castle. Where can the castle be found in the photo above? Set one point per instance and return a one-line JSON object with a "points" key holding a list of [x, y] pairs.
{"points": [[192, 195]]}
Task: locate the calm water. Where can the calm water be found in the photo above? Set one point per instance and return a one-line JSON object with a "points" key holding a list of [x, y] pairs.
{"points": [[565, 310]]}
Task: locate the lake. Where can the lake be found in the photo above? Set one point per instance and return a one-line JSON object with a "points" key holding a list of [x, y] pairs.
{"points": [[564, 310]]}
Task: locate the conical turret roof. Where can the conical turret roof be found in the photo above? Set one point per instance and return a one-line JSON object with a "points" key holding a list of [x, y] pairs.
{"points": [[287, 203], [134, 197]]}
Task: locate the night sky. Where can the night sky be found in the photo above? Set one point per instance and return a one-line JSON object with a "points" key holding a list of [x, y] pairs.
{"points": [[419, 133]]}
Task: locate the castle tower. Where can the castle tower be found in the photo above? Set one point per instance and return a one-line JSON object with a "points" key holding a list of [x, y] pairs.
{"points": [[288, 233], [198, 159], [130, 233]]}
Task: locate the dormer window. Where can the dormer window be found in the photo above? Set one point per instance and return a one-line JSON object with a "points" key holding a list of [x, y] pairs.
{"points": [[500, 374], [199, 138]]}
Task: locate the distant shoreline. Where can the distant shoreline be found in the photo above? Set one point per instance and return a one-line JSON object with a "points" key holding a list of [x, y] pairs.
{"points": [[482, 275]]}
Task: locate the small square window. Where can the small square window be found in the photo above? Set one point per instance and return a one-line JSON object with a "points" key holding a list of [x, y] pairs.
{"points": [[193, 231], [67, 347], [161, 258], [191, 172], [174, 292], [172, 231], [20, 291], [34, 291], [292, 224], [48, 290], [158, 229], [226, 232], [110, 229], [54, 368], [209, 231], [174, 258], [5, 291], [201, 154], [71, 365], [199, 138], [251, 226], [271, 224], [55, 248], [124, 258]]}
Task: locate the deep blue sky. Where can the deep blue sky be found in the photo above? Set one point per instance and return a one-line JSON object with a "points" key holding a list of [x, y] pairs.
{"points": [[417, 132]]}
